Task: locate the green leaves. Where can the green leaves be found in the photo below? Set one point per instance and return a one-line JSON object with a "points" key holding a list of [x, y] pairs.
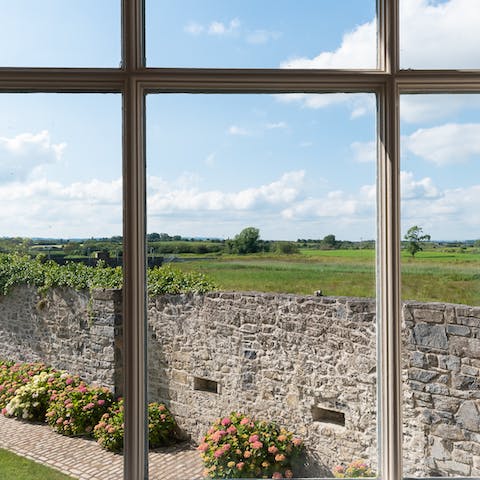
{"points": [[16, 269]]}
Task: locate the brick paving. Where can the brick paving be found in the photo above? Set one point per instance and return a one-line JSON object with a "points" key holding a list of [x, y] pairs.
{"points": [[85, 460]]}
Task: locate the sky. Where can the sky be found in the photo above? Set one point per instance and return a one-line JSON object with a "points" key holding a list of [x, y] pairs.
{"points": [[292, 165]]}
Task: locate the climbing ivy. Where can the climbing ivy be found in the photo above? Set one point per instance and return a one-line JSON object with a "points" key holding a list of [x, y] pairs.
{"points": [[17, 269]]}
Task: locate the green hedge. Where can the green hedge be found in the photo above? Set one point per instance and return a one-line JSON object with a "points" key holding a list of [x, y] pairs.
{"points": [[16, 269]]}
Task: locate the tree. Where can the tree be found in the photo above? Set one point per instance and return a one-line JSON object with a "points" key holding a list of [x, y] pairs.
{"points": [[329, 241], [247, 241], [415, 238]]}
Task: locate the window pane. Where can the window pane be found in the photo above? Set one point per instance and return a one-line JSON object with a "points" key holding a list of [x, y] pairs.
{"points": [[440, 284], [61, 196], [267, 34], [439, 34], [251, 191], [56, 33]]}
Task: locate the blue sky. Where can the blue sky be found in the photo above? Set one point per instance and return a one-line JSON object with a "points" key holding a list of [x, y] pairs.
{"points": [[293, 165]]}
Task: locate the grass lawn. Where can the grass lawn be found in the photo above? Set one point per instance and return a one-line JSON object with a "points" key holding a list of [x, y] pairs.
{"points": [[432, 276], [14, 467]]}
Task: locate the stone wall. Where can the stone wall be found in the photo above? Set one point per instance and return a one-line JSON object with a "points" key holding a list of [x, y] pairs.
{"points": [[67, 329], [308, 363], [286, 358]]}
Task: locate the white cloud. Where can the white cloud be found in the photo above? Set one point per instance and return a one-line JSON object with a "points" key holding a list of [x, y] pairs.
{"points": [[215, 28], [194, 28], [444, 214], [433, 35], [273, 126], [447, 32], [414, 189], [25, 154], [359, 103], [364, 152], [165, 200], [446, 144], [260, 37], [236, 130], [356, 51], [39, 207], [220, 28], [425, 108]]}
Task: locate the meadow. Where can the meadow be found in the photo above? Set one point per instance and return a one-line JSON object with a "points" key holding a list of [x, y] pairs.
{"points": [[451, 276]]}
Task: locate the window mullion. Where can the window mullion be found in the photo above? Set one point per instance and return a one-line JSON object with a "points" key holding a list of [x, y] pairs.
{"points": [[134, 231]]}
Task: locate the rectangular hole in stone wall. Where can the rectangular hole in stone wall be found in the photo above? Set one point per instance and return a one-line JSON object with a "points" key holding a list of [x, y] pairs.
{"points": [[328, 416], [205, 385]]}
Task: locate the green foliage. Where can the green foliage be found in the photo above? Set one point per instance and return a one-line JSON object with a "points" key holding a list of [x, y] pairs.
{"points": [[109, 431], [167, 279], [18, 269], [76, 409], [286, 248], [415, 239], [247, 241], [355, 469], [241, 447]]}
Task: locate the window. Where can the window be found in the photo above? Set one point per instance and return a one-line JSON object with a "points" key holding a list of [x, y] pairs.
{"points": [[135, 81]]}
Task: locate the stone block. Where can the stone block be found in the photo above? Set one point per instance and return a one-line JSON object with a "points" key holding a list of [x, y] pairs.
{"points": [[468, 416], [432, 336]]}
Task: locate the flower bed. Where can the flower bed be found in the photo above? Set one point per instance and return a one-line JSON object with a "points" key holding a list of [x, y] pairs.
{"points": [[240, 447], [36, 392], [109, 431]]}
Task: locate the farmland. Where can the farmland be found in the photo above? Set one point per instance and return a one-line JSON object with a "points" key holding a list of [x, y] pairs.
{"points": [[431, 276]]}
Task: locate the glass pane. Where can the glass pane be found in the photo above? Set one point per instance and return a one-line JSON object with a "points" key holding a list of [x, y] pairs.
{"points": [[268, 34], [441, 284], [439, 34], [251, 192], [60, 283], [56, 33]]}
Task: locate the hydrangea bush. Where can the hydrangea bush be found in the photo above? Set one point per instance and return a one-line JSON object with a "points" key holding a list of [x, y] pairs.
{"points": [[78, 408], [241, 447], [109, 431], [31, 400], [355, 469], [16, 375]]}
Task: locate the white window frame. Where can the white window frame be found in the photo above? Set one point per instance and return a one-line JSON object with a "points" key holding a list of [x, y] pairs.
{"points": [[134, 80]]}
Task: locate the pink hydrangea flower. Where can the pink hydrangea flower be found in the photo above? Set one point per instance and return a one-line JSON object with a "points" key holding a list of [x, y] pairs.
{"points": [[244, 421], [218, 453], [257, 445], [254, 438], [69, 381], [203, 447], [273, 449], [280, 457], [226, 422], [240, 465], [101, 402], [277, 475], [232, 430], [297, 441]]}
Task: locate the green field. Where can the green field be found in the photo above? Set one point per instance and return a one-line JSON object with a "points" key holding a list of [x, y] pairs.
{"points": [[452, 277], [13, 467]]}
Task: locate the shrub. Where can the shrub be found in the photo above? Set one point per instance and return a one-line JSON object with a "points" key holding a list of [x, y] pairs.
{"points": [[240, 447], [355, 469], [31, 400], [171, 280], [109, 431], [77, 409], [16, 375]]}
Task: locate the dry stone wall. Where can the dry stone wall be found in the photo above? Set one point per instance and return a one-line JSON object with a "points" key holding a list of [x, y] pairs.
{"points": [[308, 363], [67, 329]]}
